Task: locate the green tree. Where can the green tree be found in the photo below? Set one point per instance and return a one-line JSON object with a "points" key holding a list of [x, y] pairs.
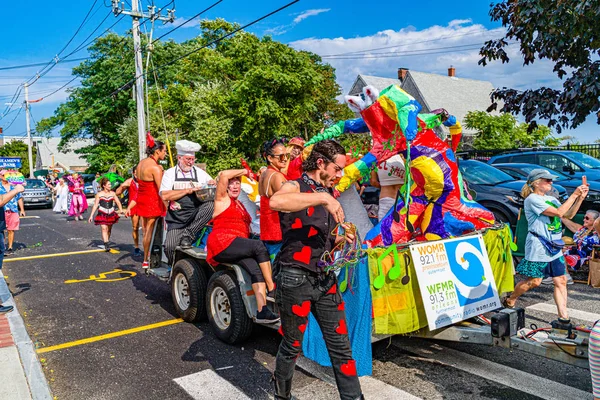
{"points": [[17, 148], [504, 132], [230, 97], [567, 33]]}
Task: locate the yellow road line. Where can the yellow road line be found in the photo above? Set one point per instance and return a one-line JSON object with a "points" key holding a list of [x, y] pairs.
{"points": [[108, 336], [30, 216], [72, 253]]}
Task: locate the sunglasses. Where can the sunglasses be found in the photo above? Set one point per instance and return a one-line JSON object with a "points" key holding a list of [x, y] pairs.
{"points": [[586, 217], [282, 157]]}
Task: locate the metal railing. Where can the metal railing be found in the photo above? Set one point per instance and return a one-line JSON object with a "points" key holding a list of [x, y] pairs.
{"points": [[592, 149]]}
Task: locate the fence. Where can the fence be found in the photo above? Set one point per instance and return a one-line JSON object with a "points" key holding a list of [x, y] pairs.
{"points": [[484, 155]]}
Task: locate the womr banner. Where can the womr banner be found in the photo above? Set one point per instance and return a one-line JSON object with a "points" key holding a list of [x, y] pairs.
{"points": [[455, 279]]}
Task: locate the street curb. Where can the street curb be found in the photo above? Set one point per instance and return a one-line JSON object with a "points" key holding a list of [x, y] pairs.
{"points": [[38, 385]]}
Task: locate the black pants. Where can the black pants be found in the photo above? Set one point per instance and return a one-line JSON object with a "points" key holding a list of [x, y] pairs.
{"points": [[297, 293], [247, 253], [174, 236]]}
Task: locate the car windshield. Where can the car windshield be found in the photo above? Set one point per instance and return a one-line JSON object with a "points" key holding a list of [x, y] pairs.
{"points": [[35, 184], [476, 172], [587, 161]]}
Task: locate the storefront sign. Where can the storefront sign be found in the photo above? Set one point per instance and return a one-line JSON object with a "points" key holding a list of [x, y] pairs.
{"points": [[455, 280]]}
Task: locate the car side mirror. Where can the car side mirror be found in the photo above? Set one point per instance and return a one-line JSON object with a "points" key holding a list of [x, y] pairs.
{"points": [[569, 169]]}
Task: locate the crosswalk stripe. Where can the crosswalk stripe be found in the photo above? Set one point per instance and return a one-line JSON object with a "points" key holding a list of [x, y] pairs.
{"points": [[207, 384], [573, 313], [507, 376], [372, 388]]}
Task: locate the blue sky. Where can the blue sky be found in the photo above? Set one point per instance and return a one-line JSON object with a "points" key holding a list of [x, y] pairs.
{"points": [[35, 31]]}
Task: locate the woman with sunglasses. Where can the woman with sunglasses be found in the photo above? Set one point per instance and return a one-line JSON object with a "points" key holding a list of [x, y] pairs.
{"points": [[543, 252], [584, 237], [277, 158]]}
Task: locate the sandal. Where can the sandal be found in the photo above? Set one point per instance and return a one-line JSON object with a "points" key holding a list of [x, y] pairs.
{"points": [[504, 303]]}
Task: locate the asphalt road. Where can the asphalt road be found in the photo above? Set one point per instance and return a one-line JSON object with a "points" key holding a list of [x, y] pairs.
{"points": [[181, 360]]}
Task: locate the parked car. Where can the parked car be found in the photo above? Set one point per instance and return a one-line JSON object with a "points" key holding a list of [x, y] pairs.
{"points": [[573, 163], [520, 171], [36, 194], [88, 188], [497, 191]]}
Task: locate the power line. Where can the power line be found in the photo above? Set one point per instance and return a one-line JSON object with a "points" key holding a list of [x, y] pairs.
{"points": [[205, 46], [405, 44], [55, 60], [38, 64], [185, 22], [15, 118], [59, 89], [424, 51]]}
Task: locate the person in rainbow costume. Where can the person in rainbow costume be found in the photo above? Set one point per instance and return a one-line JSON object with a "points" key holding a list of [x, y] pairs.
{"points": [[432, 203]]}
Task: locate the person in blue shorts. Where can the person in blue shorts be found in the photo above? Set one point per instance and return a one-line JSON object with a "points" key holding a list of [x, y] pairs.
{"points": [[543, 247]]}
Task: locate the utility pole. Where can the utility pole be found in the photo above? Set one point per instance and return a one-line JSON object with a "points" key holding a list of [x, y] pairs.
{"points": [[136, 14], [29, 144]]}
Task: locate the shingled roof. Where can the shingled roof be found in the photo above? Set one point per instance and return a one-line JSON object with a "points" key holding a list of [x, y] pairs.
{"points": [[433, 91], [48, 147]]}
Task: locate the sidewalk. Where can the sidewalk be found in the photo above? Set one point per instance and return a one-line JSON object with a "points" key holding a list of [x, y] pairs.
{"points": [[21, 375]]}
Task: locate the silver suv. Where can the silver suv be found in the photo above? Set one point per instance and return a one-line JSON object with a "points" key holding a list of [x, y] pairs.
{"points": [[37, 194]]}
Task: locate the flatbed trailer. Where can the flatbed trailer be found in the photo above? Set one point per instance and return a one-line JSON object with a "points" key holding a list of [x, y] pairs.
{"points": [[224, 296]]}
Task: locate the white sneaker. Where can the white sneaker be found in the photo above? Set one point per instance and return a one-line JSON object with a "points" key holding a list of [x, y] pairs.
{"points": [[547, 281], [569, 279]]}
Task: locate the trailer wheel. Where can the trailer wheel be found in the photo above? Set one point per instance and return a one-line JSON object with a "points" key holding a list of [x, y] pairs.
{"points": [[226, 311], [188, 286]]}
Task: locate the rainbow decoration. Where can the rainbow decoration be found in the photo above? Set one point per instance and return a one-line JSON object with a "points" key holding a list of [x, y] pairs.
{"points": [[433, 204], [15, 178]]}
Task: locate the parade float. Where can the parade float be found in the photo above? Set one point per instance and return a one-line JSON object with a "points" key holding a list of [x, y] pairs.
{"points": [[437, 260]]}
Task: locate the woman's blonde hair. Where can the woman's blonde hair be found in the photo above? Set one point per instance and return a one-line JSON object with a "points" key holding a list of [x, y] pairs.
{"points": [[527, 189]]}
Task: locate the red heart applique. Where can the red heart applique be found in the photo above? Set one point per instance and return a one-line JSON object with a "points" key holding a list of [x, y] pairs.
{"points": [[297, 344], [332, 290], [312, 231], [303, 255], [341, 306], [280, 330], [302, 328], [310, 211], [342, 329], [303, 310], [297, 224], [349, 369]]}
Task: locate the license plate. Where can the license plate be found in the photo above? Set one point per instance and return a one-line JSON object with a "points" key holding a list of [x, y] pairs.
{"points": [[35, 200]]}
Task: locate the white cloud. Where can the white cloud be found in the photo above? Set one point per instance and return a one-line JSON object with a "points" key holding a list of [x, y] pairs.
{"points": [[178, 21], [310, 13], [281, 29], [432, 49]]}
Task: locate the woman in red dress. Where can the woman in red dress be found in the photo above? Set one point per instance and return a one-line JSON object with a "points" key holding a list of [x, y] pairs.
{"points": [[148, 205], [228, 242], [105, 205]]}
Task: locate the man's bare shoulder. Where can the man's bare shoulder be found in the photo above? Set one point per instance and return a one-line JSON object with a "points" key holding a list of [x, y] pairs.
{"points": [[289, 187]]}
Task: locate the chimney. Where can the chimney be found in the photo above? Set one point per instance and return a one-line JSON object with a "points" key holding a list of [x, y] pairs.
{"points": [[451, 71], [402, 73]]}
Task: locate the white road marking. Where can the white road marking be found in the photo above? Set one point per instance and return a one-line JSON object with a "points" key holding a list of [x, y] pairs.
{"points": [[507, 376], [209, 385], [325, 388], [573, 313]]}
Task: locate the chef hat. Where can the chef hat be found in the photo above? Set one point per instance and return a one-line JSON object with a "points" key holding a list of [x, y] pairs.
{"points": [[186, 148]]}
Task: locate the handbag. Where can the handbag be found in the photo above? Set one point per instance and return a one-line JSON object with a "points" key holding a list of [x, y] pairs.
{"points": [[553, 247], [594, 264]]}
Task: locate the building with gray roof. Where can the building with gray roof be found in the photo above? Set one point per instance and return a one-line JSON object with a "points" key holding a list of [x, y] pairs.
{"points": [[48, 155], [457, 95]]}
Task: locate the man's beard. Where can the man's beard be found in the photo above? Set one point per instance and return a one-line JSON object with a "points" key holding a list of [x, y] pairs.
{"points": [[185, 168], [324, 177]]}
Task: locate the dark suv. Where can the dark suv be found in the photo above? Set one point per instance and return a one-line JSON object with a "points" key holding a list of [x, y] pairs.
{"points": [[497, 191], [574, 163]]}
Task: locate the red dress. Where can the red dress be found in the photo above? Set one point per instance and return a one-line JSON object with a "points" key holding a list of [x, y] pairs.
{"points": [[149, 204], [133, 193], [295, 168], [270, 229], [232, 223]]}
